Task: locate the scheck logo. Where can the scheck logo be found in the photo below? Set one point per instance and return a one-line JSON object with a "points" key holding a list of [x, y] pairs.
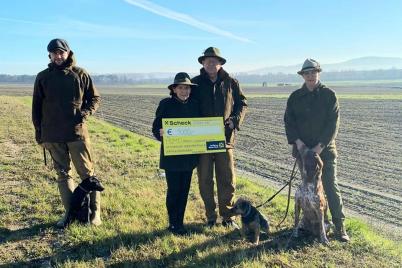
{"points": [[215, 145], [169, 131]]}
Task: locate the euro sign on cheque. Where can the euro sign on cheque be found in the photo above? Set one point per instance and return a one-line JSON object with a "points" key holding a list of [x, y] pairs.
{"points": [[193, 135]]}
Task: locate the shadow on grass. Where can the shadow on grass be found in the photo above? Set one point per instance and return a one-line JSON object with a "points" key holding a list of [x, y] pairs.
{"points": [[85, 251], [273, 243], [89, 251], [7, 235]]}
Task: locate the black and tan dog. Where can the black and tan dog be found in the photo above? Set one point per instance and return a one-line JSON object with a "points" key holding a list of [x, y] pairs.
{"points": [[310, 198], [253, 222], [79, 207]]}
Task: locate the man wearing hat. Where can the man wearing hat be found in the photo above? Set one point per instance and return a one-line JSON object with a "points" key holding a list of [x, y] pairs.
{"points": [[219, 95], [312, 120], [178, 168], [64, 96]]}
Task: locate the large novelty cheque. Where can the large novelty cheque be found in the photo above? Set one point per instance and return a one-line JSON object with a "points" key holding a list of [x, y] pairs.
{"points": [[193, 135]]}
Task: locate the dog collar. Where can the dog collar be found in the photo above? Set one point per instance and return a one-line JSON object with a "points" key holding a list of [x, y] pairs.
{"points": [[82, 188], [247, 213], [249, 217]]}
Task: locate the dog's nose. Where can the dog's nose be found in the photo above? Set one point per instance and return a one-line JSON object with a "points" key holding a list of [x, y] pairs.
{"points": [[100, 187]]}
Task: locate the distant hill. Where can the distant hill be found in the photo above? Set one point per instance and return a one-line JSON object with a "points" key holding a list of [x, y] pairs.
{"points": [[358, 64], [367, 68]]}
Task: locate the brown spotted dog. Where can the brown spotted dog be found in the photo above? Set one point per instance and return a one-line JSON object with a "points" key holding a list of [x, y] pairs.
{"points": [[253, 222], [310, 197]]}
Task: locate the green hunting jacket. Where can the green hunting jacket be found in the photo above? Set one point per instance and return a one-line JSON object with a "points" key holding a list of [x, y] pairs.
{"points": [[63, 97], [224, 98], [313, 117]]}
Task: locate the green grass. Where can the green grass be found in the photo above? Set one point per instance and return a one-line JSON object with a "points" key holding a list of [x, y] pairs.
{"points": [[134, 215]]}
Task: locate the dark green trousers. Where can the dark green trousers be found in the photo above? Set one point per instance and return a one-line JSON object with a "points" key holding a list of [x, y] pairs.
{"points": [[332, 191]]}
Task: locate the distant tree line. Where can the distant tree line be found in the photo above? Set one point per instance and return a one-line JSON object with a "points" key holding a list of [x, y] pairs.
{"points": [[390, 74], [113, 79], [20, 79]]}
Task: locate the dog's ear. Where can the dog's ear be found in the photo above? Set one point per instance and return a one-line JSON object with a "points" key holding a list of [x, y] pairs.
{"points": [[244, 204]]}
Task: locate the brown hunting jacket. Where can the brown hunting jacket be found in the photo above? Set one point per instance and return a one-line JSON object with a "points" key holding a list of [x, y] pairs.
{"points": [[223, 98], [63, 97], [313, 117]]}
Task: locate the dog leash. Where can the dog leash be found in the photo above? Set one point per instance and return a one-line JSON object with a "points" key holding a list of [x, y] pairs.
{"points": [[289, 192], [44, 156], [292, 176]]}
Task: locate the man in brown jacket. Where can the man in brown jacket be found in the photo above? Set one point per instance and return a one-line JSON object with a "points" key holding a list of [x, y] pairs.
{"points": [[64, 96], [218, 95], [312, 120]]}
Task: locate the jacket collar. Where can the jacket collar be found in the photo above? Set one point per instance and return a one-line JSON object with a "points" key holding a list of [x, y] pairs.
{"points": [[222, 74], [179, 100], [68, 64], [304, 90]]}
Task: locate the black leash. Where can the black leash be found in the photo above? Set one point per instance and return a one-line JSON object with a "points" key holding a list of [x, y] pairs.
{"points": [[44, 156], [289, 192], [292, 176]]}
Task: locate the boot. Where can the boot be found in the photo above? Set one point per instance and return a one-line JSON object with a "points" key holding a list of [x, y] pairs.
{"points": [[94, 204], [340, 231], [66, 188]]}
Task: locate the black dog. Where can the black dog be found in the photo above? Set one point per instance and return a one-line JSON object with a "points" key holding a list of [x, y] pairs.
{"points": [[79, 207], [253, 221]]}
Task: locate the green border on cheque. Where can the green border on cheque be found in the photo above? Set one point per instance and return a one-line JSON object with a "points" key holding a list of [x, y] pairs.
{"points": [[197, 135]]}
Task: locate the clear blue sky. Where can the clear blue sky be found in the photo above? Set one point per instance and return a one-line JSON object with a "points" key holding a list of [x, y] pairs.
{"points": [[114, 36]]}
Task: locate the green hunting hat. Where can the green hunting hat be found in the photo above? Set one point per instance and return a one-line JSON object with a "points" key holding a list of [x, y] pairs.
{"points": [[58, 43], [212, 52], [310, 64], [181, 79]]}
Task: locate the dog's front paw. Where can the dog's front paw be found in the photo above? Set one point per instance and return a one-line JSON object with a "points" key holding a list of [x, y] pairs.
{"points": [[324, 241]]}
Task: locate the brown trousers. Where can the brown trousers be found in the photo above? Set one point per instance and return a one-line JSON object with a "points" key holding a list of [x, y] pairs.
{"points": [[77, 152], [225, 182]]}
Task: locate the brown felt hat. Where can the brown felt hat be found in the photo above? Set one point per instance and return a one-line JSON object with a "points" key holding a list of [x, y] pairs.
{"points": [[181, 79], [212, 52]]}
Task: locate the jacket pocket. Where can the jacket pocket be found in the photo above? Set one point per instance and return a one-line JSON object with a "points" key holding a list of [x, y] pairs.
{"points": [[78, 119]]}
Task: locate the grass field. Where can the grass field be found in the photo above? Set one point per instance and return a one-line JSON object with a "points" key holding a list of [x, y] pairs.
{"points": [[369, 144], [133, 233], [369, 140]]}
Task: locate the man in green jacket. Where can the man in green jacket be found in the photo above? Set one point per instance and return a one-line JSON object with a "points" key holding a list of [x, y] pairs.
{"points": [[312, 120], [64, 96], [218, 95]]}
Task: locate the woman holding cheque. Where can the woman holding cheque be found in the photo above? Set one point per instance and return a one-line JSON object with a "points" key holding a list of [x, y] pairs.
{"points": [[178, 168]]}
